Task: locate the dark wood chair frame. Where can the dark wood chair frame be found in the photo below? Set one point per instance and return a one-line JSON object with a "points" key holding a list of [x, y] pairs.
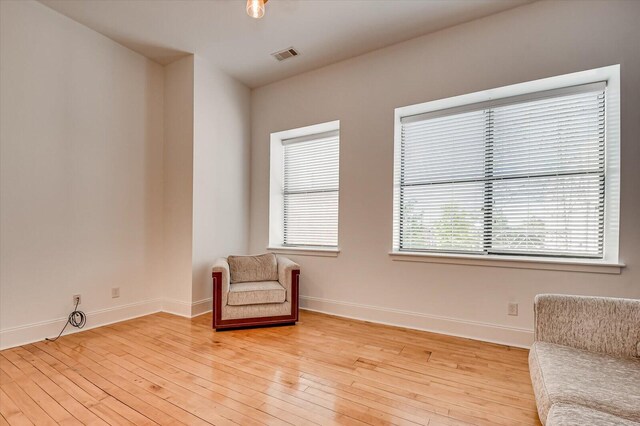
{"points": [[220, 324]]}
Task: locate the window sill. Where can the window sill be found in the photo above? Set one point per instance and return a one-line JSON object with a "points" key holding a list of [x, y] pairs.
{"points": [[517, 262], [306, 251]]}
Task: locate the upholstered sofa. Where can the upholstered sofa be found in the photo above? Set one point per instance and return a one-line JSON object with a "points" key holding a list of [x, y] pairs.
{"points": [[254, 290], [585, 362]]}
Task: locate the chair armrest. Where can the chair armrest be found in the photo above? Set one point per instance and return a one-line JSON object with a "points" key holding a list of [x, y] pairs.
{"points": [[285, 275], [597, 324], [221, 277]]}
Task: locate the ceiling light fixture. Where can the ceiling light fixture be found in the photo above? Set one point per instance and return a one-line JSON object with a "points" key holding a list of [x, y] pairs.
{"points": [[255, 8]]}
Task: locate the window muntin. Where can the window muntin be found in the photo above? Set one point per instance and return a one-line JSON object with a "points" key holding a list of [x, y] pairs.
{"points": [[518, 176]]}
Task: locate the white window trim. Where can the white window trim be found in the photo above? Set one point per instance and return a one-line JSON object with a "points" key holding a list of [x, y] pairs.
{"points": [[305, 251], [610, 263], [518, 262], [276, 200]]}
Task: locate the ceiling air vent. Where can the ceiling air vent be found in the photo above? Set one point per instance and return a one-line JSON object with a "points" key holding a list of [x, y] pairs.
{"points": [[285, 54]]}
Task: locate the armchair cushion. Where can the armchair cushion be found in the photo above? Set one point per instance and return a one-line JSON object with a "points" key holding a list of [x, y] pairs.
{"points": [[263, 267], [255, 293]]}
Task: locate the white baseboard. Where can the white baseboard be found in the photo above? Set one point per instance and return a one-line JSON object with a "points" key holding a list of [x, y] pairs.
{"points": [[29, 333], [512, 336], [186, 309], [35, 332], [176, 307], [494, 333], [200, 307]]}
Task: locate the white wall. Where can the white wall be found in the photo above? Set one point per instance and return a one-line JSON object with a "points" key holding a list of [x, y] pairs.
{"points": [[206, 178], [220, 175], [116, 172], [539, 40], [81, 190], [178, 184]]}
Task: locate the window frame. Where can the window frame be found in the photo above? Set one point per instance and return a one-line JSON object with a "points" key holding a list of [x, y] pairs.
{"points": [[529, 90], [278, 141]]}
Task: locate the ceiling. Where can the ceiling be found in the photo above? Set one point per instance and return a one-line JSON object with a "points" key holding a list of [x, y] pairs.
{"points": [[324, 31]]}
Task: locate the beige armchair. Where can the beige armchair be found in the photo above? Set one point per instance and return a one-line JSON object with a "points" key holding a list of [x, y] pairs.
{"points": [[254, 290]]}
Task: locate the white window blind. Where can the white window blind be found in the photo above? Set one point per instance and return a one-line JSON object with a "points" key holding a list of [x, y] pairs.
{"points": [[517, 176], [311, 182]]}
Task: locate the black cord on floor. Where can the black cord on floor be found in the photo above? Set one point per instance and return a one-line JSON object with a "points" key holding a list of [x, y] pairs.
{"points": [[76, 318]]}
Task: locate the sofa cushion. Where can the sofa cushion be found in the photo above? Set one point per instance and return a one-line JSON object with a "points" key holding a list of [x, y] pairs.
{"points": [[561, 374], [263, 267], [256, 292], [577, 415]]}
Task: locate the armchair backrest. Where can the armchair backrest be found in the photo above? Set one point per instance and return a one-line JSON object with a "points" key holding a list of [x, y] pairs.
{"points": [[263, 267]]}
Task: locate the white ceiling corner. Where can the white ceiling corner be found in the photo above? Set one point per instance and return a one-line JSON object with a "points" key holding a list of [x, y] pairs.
{"points": [[324, 31]]}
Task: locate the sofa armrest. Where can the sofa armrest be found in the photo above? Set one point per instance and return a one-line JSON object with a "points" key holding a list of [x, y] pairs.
{"points": [[220, 271], [597, 324], [285, 276]]}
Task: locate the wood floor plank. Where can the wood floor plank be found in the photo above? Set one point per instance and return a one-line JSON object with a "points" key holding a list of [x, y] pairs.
{"points": [[127, 400], [170, 411], [203, 406], [33, 388], [11, 412], [27, 405], [49, 385], [489, 409], [282, 387], [164, 369]]}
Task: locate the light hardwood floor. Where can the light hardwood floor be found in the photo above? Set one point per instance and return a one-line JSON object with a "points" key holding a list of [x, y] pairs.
{"points": [[166, 369]]}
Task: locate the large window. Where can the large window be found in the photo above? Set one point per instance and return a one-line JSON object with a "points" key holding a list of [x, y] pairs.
{"points": [[519, 175], [305, 188]]}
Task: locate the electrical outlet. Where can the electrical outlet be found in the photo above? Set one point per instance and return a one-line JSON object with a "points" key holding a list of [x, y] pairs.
{"points": [[512, 309], [115, 292], [76, 299]]}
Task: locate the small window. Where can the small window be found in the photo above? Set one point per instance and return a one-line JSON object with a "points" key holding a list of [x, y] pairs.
{"points": [[521, 175], [305, 187]]}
